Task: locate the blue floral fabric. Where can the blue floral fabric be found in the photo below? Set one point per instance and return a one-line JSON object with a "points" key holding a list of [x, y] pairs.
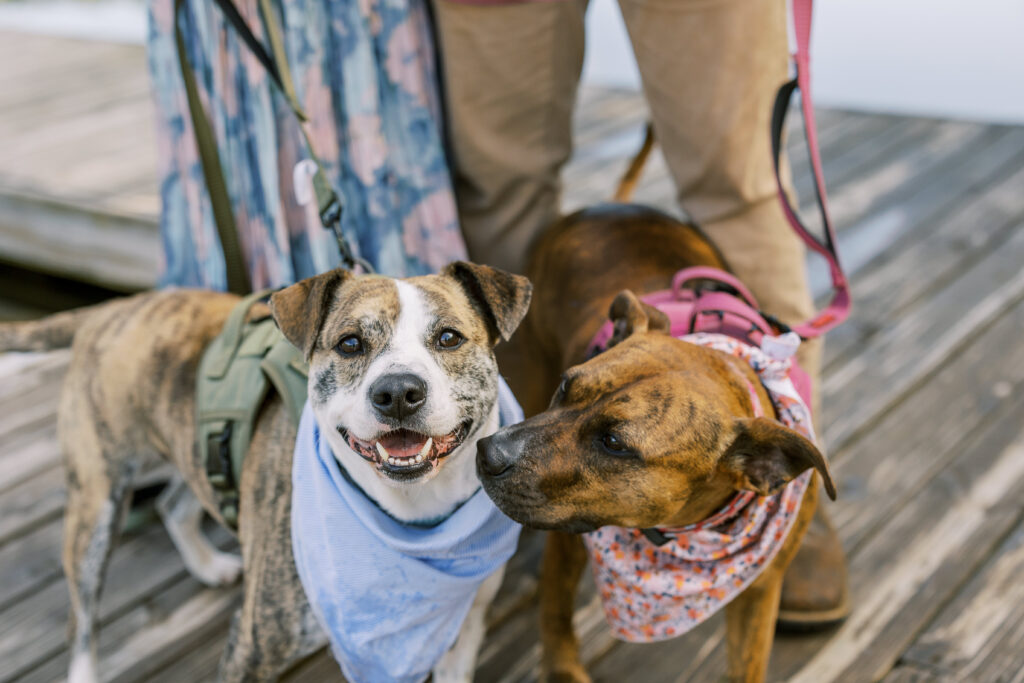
{"points": [[365, 74]]}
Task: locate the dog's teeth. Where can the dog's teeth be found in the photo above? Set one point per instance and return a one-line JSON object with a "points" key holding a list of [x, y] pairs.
{"points": [[383, 451], [392, 461], [419, 459], [426, 449]]}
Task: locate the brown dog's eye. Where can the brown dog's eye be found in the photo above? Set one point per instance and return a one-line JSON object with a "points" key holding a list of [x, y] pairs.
{"points": [[614, 445], [449, 339], [350, 345]]}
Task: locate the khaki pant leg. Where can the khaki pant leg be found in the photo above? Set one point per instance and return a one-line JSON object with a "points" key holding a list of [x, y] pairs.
{"points": [[511, 74], [710, 71]]}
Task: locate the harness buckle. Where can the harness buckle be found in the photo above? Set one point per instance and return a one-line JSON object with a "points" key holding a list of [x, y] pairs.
{"points": [[218, 463]]}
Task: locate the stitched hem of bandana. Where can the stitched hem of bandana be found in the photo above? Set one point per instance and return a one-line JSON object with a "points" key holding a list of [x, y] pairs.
{"points": [[650, 592]]}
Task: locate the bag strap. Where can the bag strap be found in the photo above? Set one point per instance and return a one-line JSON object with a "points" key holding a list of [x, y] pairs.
{"points": [[223, 214], [275, 62], [839, 308]]}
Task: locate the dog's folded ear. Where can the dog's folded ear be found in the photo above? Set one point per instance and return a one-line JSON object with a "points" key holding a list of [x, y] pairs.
{"points": [[299, 310], [501, 298], [766, 455], [631, 316]]}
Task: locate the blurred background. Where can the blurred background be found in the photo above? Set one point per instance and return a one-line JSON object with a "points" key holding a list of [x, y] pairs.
{"points": [[921, 123]]}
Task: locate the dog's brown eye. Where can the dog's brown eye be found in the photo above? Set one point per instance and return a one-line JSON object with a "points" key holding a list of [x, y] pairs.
{"points": [[350, 345], [614, 445], [449, 339]]}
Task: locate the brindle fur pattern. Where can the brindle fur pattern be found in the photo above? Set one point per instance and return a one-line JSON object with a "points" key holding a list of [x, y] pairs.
{"points": [[128, 404], [682, 414]]}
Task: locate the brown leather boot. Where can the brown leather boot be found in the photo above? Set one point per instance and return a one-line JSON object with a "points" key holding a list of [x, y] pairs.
{"points": [[814, 591]]}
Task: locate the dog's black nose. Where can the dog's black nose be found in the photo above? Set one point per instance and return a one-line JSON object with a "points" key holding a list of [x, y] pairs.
{"points": [[492, 457], [398, 396]]}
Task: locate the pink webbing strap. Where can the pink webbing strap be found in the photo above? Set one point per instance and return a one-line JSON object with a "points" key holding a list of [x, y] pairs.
{"points": [[839, 308]]}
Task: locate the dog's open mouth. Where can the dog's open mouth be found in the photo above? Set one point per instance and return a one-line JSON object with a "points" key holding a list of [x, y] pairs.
{"points": [[405, 452]]}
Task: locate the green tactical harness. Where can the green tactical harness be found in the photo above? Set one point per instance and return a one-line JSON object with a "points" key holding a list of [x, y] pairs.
{"points": [[236, 374]]}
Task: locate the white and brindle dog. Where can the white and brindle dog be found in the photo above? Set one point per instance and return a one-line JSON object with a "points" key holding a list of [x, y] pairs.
{"points": [[403, 382]]}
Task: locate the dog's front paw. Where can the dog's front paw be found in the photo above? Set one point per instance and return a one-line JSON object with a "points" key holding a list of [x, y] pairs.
{"points": [[221, 569]]}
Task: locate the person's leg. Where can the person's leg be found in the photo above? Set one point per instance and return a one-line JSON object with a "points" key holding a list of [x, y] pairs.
{"points": [[710, 71], [510, 75]]}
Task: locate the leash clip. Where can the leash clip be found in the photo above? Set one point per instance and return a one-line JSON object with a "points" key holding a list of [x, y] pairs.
{"points": [[330, 217]]}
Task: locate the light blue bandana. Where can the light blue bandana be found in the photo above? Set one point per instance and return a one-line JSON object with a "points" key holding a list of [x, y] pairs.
{"points": [[391, 596]]}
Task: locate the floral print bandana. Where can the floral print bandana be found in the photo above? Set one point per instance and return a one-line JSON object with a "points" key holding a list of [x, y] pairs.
{"points": [[654, 592]]}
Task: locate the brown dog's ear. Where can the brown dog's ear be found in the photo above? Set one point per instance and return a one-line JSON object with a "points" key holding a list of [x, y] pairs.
{"points": [[630, 316], [501, 298], [299, 310], [766, 455]]}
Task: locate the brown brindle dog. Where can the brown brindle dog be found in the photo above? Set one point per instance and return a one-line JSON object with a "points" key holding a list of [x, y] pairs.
{"points": [[653, 432]]}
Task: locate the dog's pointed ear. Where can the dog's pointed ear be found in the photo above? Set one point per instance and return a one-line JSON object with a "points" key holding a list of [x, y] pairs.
{"points": [[299, 310], [630, 316], [766, 455], [501, 298]]}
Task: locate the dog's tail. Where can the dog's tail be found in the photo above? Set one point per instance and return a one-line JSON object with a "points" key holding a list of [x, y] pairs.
{"points": [[629, 180], [53, 332]]}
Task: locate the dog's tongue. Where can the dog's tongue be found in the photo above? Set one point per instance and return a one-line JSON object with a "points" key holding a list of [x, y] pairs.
{"points": [[403, 443]]}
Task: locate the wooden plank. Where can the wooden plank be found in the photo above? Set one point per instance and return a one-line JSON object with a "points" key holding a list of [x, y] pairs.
{"points": [[910, 674], [668, 661], [30, 563], [925, 552], [37, 410], [121, 252], [33, 630], [853, 132], [20, 372], [879, 209], [934, 250], [31, 453], [891, 219], [892, 180], [979, 636], [33, 502], [163, 633], [864, 150], [888, 465], [867, 385], [320, 667]]}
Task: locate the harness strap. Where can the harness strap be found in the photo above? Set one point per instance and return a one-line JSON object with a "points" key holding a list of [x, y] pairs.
{"points": [[839, 308]]}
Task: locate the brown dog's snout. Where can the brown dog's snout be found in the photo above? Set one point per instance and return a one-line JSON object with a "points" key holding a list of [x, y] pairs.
{"points": [[494, 456]]}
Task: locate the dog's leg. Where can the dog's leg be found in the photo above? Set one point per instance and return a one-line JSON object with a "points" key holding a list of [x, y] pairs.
{"points": [[182, 514], [564, 560], [750, 628], [458, 664], [97, 497], [274, 627]]}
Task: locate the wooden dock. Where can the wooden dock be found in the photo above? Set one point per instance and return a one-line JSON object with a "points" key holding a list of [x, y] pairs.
{"points": [[923, 411]]}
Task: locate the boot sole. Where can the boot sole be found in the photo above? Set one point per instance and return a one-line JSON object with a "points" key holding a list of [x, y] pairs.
{"points": [[802, 621]]}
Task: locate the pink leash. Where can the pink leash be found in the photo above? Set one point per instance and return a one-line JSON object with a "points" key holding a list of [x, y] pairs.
{"points": [[735, 312], [839, 308]]}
